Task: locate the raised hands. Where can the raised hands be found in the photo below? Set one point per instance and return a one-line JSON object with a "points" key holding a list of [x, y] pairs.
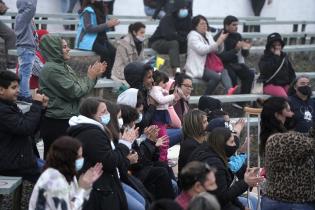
{"points": [[252, 177], [130, 134], [96, 69], [87, 179], [112, 22], [41, 98], [222, 37], [152, 132], [162, 141]]}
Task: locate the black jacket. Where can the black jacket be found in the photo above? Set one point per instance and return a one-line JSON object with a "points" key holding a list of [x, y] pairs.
{"points": [[172, 28], [187, 146], [226, 193], [16, 129], [268, 65], [229, 54], [107, 192]]}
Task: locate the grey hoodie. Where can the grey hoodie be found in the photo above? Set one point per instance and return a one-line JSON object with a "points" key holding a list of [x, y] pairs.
{"points": [[23, 23]]}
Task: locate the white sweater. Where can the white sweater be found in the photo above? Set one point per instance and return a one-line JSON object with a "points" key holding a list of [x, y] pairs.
{"points": [[197, 51], [162, 97]]}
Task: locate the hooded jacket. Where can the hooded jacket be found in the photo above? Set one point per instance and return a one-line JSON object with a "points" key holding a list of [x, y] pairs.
{"points": [[226, 193], [59, 82], [171, 27], [23, 24], [107, 192], [128, 97], [134, 75], [269, 63]]}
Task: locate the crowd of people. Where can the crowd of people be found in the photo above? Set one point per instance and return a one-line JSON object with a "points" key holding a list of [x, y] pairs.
{"points": [[101, 154]]}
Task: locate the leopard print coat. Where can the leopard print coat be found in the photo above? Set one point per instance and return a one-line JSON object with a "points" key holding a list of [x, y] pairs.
{"points": [[290, 167]]}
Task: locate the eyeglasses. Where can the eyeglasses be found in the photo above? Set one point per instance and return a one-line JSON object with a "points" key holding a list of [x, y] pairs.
{"points": [[188, 86]]}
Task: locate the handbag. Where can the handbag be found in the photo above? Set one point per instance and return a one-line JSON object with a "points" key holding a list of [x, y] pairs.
{"points": [[214, 63]]}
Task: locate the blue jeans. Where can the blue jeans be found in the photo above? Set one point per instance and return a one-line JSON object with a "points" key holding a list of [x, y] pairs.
{"points": [[135, 201], [175, 135], [269, 204], [252, 201], [26, 59]]}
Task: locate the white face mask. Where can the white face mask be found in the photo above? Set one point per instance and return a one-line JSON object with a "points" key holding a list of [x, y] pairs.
{"points": [[139, 119], [140, 38], [79, 164], [120, 123]]}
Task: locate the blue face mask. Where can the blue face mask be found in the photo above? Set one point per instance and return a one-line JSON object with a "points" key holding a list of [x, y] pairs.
{"points": [[79, 164], [105, 119], [182, 13], [139, 119]]}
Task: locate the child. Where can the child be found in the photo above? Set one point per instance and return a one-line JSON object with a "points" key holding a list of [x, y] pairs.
{"points": [[16, 147], [161, 116]]}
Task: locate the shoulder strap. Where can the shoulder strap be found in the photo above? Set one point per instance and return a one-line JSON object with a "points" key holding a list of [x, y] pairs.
{"points": [[274, 74]]}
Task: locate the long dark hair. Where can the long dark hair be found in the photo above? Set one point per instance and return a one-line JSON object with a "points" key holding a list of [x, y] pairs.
{"points": [[62, 155], [113, 125], [98, 8], [269, 123], [217, 141], [292, 90], [196, 20]]}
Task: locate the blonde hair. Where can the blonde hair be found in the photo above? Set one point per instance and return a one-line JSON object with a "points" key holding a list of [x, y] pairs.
{"points": [[192, 124]]}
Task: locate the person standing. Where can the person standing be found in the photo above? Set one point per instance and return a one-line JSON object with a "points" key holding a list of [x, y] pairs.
{"points": [[7, 34], [25, 44]]}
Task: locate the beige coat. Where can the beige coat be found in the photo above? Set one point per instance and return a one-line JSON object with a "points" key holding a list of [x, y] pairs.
{"points": [[126, 53]]}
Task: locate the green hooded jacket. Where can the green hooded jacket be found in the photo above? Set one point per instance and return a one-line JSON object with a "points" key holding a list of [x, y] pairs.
{"points": [[59, 82]]}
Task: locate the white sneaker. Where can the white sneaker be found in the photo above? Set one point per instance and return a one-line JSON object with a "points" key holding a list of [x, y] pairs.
{"points": [[13, 70]]}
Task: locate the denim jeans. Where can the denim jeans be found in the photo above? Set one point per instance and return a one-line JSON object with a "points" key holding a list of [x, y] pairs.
{"points": [[134, 200], [269, 204], [26, 59], [175, 135], [252, 201]]}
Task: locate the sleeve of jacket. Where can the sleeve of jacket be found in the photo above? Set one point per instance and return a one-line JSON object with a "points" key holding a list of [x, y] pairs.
{"points": [[28, 12], [195, 43], [100, 150], [22, 124], [89, 28], [224, 192], [228, 55], [292, 74], [67, 88], [158, 96], [149, 152]]}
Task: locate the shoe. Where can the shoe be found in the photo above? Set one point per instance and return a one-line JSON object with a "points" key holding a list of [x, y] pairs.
{"points": [[13, 70], [232, 90], [25, 99]]}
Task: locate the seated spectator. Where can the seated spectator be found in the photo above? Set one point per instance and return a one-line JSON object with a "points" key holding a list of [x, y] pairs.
{"points": [[16, 130], [215, 152], [63, 86], [235, 49], [289, 161], [301, 104], [129, 49], [170, 37], [204, 201], [200, 46], [91, 33], [183, 84], [58, 187], [276, 70], [194, 130], [195, 178], [92, 122]]}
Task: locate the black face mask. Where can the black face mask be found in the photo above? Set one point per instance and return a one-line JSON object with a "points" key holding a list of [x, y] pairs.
{"points": [[230, 150], [305, 90]]}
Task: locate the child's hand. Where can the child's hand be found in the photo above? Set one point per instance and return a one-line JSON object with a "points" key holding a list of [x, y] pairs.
{"points": [[176, 96], [162, 141], [131, 134], [152, 132]]}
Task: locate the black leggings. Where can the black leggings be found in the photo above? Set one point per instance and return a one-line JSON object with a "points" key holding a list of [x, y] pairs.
{"points": [[107, 52], [51, 129]]}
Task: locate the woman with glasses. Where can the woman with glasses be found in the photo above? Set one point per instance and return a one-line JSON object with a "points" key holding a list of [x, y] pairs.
{"points": [[183, 83]]}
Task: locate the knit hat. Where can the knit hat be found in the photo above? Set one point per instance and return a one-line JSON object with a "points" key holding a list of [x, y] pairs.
{"points": [[272, 38]]}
